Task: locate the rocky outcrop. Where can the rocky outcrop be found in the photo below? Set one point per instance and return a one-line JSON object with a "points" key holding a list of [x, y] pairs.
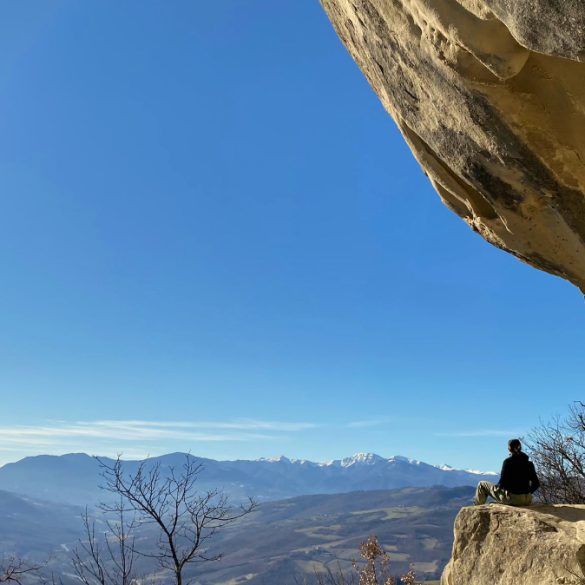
{"points": [[502, 545], [490, 96]]}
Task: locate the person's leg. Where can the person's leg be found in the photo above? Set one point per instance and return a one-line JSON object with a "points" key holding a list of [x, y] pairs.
{"points": [[501, 496], [520, 499], [484, 489]]}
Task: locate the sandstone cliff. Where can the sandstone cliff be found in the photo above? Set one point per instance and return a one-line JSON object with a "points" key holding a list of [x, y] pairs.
{"points": [[502, 545], [490, 96]]}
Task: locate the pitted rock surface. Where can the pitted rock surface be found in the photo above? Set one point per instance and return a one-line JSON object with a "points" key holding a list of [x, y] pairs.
{"points": [[490, 96], [502, 545]]}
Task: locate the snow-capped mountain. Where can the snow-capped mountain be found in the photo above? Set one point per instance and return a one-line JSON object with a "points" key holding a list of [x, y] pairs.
{"points": [[75, 478]]}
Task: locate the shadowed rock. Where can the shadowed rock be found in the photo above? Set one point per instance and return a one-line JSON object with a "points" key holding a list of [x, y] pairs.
{"points": [[490, 96]]}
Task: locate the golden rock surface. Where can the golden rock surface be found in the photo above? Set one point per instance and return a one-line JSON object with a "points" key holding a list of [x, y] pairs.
{"points": [[490, 96], [501, 545]]}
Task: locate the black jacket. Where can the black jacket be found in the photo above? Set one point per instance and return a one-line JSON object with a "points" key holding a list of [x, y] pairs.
{"points": [[518, 475]]}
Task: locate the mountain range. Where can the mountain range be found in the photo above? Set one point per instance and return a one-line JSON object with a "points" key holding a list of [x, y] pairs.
{"points": [[74, 479]]}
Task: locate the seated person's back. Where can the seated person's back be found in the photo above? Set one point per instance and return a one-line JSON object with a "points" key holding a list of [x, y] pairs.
{"points": [[518, 480]]}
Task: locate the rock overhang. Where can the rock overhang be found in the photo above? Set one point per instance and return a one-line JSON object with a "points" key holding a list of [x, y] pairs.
{"points": [[493, 111]]}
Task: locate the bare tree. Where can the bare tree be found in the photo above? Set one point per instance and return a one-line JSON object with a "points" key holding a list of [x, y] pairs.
{"points": [[186, 519], [107, 558], [376, 566], [372, 569], [14, 569], [558, 451]]}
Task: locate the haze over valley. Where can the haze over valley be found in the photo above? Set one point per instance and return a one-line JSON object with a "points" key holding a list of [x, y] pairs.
{"points": [[311, 515]]}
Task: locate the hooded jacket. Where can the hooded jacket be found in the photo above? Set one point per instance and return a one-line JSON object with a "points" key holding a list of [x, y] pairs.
{"points": [[518, 475]]}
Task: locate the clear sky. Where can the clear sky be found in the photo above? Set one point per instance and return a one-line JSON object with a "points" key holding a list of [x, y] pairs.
{"points": [[213, 239]]}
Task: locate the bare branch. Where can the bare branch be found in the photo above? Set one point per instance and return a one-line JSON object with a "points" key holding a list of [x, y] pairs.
{"points": [[558, 450], [106, 559], [13, 569], [372, 569], [186, 519]]}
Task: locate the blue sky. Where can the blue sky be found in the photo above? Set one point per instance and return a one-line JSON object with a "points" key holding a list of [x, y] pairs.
{"points": [[213, 239]]}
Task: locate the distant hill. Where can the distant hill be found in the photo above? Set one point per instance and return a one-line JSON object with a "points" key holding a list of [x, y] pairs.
{"points": [[75, 479], [35, 527], [281, 542], [290, 538]]}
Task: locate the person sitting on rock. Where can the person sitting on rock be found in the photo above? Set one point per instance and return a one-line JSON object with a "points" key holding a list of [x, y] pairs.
{"points": [[518, 480]]}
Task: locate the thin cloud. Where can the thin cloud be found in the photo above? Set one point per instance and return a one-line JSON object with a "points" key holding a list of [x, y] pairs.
{"points": [[57, 432], [138, 438], [237, 425]]}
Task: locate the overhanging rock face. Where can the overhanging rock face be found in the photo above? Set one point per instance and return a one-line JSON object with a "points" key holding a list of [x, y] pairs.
{"points": [[490, 96], [502, 545]]}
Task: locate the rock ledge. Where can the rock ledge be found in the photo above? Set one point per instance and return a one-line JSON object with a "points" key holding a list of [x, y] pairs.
{"points": [[501, 545]]}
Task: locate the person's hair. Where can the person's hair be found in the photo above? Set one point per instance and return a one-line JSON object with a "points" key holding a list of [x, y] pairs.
{"points": [[515, 446]]}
